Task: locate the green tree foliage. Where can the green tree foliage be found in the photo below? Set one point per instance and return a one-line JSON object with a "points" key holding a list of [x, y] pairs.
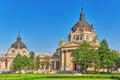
{"points": [[37, 62], [117, 64], [113, 57], [17, 63], [107, 56], [32, 61], [95, 60], [25, 62], [87, 56], [28, 62], [46, 62], [84, 56]]}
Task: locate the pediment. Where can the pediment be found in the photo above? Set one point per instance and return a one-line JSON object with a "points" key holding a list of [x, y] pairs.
{"points": [[71, 44]]}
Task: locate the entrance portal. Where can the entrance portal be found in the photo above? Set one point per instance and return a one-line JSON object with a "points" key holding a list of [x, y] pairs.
{"points": [[74, 66]]}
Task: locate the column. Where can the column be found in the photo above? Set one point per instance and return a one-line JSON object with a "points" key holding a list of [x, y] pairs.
{"points": [[62, 60], [54, 64], [66, 60]]}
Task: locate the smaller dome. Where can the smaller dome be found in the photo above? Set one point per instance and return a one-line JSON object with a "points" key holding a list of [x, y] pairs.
{"points": [[18, 44]]}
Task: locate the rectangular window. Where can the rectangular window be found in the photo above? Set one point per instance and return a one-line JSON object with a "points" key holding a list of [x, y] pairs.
{"points": [[80, 37], [87, 37], [76, 37]]}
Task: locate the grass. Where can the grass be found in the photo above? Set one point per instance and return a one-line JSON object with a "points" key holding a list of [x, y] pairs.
{"points": [[59, 77]]}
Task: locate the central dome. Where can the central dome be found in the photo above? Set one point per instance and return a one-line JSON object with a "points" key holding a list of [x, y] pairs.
{"points": [[82, 25], [18, 44]]}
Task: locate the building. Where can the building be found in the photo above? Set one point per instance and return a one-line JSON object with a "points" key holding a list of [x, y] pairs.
{"points": [[17, 47], [81, 31], [62, 59], [46, 64]]}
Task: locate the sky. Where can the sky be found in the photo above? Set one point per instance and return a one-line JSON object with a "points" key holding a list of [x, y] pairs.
{"points": [[43, 23]]}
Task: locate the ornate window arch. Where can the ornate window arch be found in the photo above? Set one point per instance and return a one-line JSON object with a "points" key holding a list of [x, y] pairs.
{"points": [[76, 37], [13, 52], [80, 37], [87, 37], [24, 52]]}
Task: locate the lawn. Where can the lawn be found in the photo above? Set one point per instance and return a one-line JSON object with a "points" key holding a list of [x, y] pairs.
{"points": [[59, 77]]}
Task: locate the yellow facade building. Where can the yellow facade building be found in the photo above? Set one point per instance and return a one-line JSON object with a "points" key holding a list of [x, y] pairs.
{"points": [[17, 47], [62, 59], [81, 31]]}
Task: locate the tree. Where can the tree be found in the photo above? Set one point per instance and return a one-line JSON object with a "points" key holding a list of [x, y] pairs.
{"points": [[103, 53], [107, 56], [25, 62], [112, 60], [46, 62], [37, 62], [117, 64], [32, 61], [95, 60], [17, 63], [83, 56]]}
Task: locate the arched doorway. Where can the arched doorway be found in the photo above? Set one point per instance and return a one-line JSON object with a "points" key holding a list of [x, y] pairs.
{"points": [[74, 66], [6, 64]]}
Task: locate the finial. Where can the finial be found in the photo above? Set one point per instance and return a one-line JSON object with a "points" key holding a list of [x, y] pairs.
{"points": [[82, 6], [18, 38], [82, 16], [19, 32], [61, 41]]}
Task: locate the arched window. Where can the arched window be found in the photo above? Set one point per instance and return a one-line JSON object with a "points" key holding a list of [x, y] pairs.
{"points": [[87, 37], [6, 64], [80, 37], [76, 37], [13, 52], [24, 52]]}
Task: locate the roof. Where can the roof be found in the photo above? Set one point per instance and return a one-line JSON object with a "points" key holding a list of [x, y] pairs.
{"points": [[82, 24], [18, 44]]}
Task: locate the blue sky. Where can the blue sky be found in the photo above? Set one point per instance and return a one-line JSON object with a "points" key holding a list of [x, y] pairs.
{"points": [[44, 22]]}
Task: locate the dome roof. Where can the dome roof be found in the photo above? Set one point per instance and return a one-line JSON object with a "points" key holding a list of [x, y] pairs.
{"points": [[82, 25], [18, 44]]}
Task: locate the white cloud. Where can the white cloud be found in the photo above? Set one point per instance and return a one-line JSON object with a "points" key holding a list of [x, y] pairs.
{"points": [[2, 52]]}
